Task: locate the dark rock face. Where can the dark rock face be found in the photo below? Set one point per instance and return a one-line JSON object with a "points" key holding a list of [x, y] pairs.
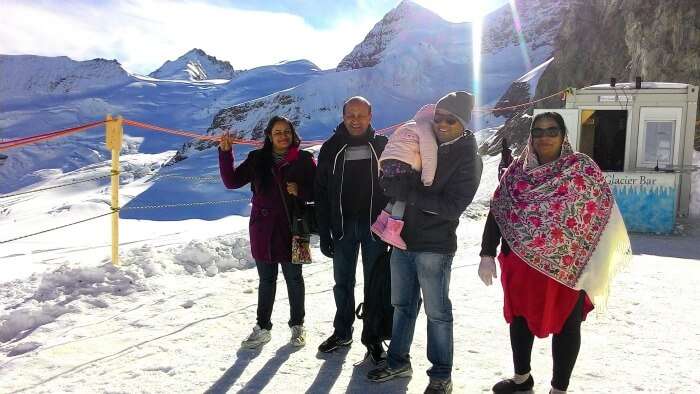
{"points": [[538, 23], [657, 40], [600, 39], [518, 93]]}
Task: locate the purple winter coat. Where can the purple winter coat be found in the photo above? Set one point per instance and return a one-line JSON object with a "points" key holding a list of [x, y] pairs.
{"points": [[269, 227]]}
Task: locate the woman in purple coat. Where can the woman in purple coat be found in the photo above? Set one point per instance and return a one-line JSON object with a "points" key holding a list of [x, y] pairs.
{"points": [[281, 176]]}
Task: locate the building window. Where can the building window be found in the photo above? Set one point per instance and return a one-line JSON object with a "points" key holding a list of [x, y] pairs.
{"points": [[659, 137], [658, 146]]}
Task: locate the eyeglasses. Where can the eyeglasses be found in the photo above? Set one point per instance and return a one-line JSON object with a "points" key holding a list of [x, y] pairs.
{"points": [[450, 120], [549, 132]]}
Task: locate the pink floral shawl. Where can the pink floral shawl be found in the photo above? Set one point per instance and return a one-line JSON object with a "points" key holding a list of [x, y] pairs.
{"points": [[552, 215]]}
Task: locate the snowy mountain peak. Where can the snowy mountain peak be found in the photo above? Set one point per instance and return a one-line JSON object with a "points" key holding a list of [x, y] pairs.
{"points": [[405, 16], [25, 76], [196, 52], [195, 65], [412, 10]]}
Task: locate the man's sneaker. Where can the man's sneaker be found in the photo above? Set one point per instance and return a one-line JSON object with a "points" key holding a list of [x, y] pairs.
{"points": [[257, 338], [509, 386], [298, 336], [439, 386], [333, 343], [382, 374], [376, 353]]}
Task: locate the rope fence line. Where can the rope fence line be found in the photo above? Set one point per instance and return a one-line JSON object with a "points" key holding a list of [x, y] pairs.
{"points": [[54, 228], [126, 208], [185, 204], [211, 179], [204, 179], [53, 187]]}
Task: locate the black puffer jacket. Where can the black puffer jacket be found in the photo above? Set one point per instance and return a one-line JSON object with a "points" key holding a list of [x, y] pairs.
{"points": [[330, 177], [432, 213]]}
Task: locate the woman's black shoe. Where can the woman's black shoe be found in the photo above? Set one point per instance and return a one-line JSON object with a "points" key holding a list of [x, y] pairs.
{"points": [[509, 386]]}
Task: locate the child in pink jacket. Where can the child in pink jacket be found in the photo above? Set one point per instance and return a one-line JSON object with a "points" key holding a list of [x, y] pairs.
{"points": [[410, 153]]}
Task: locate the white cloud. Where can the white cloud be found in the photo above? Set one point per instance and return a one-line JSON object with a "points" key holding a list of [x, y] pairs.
{"points": [[143, 34]]}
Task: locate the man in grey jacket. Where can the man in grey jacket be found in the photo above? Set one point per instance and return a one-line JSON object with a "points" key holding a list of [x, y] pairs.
{"points": [[430, 222]]}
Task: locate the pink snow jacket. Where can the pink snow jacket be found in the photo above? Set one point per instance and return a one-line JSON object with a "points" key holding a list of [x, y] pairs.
{"points": [[414, 143]]}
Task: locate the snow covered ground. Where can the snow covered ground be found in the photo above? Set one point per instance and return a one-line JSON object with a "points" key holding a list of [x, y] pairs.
{"points": [[695, 187], [171, 318]]}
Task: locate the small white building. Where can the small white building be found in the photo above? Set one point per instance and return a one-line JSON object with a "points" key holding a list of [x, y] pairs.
{"points": [[642, 138]]}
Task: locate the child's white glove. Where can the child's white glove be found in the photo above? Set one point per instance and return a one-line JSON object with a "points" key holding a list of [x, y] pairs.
{"points": [[487, 269]]}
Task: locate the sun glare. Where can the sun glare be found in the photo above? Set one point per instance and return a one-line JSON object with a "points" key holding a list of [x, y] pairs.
{"points": [[472, 12]]}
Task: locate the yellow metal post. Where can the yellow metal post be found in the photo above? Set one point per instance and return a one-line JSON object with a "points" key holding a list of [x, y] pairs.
{"points": [[114, 133]]}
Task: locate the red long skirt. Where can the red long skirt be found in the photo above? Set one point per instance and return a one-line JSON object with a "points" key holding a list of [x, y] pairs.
{"points": [[543, 302]]}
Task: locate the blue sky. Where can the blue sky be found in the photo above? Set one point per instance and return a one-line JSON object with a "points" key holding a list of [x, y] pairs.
{"points": [[320, 14], [142, 34]]}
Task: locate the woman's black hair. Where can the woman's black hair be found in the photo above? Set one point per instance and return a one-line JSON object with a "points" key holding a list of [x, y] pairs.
{"points": [[265, 161], [555, 116]]}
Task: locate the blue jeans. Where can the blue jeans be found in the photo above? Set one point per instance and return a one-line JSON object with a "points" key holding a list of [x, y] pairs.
{"points": [[356, 235], [267, 272], [411, 274]]}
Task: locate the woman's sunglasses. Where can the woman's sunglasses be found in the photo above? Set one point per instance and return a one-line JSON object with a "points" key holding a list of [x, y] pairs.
{"points": [[549, 132], [450, 120]]}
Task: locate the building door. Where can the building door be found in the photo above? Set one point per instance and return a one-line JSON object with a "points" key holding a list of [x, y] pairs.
{"points": [[602, 137]]}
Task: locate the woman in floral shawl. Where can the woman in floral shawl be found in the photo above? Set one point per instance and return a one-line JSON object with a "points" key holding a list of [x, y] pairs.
{"points": [[563, 239]]}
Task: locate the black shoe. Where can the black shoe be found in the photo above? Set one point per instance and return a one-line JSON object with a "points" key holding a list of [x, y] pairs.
{"points": [[376, 353], [382, 374], [439, 386], [333, 343], [508, 386]]}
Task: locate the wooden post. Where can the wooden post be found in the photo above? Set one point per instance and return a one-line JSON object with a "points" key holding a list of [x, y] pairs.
{"points": [[114, 133]]}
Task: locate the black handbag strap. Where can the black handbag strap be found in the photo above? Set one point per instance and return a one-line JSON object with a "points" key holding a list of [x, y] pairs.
{"points": [[284, 200]]}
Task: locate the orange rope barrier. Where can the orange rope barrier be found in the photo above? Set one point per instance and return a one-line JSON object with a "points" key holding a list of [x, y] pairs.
{"points": [[55, 134], [47, 136], [520, 105], [170, 131]]}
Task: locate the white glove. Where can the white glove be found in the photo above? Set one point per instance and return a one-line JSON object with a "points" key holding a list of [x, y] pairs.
{"points": [[487, 269]]}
